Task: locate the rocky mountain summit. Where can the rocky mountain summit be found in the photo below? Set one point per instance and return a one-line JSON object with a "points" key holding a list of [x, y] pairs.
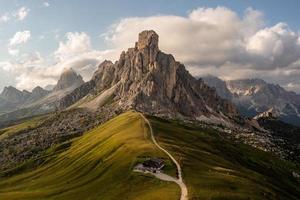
{"points": [[12, 98], [146, 79], [12, 94], [68, 79], [254, 96]]}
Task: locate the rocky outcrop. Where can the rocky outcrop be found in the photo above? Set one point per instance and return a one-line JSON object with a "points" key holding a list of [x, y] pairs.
{"points": [[77, 94], [219, 85], [12, 95], [153, 82], [68, 79], [272, 113]]}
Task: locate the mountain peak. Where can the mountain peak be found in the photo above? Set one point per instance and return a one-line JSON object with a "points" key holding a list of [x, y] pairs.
{"points": [[37, 90], [69, 78], [147, 40], [10, 90], [150, 81], [12, 94]]}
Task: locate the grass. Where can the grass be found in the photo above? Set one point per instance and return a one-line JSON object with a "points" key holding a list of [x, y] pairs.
{"points": [[97, 165], [215, 168], [28, 124]]}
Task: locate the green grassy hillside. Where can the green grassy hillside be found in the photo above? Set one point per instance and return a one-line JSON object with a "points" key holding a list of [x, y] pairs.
{"points": [[215, 168], [98, 165]]}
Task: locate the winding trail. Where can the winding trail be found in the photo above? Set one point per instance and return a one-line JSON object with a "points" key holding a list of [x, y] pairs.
{"points": [[165, 177]]}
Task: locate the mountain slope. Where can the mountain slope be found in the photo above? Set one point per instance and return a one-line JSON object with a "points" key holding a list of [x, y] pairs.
{"points": [[12, 98], [288, 136], [39, 101], [148, 80], [253, 96], [217, 168], [98, 165]]}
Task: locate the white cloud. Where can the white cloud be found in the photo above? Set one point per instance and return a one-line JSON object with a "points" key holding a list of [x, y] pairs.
{"points": [[46, 4], [4, 18], [274, 47], [218, 41], [20, 37], [22, 13], [13, 52], [207, 36], [76, 52], [76, 43], [215, 36], [213, 41]]}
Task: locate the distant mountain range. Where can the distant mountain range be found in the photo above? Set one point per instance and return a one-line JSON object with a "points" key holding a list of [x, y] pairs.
{"points": [[16, 104], [254, 96], [12, 98]]}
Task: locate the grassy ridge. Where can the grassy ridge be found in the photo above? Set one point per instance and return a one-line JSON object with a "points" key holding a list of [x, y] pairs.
{"points": [[215, 168], [98, 165]]}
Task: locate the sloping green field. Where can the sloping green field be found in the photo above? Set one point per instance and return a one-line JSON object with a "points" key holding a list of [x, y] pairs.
{"points": [[98, 165], [215, 168]]}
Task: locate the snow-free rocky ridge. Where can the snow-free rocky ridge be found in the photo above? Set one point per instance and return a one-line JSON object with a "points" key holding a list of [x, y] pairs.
{"points": [[150, 81]]}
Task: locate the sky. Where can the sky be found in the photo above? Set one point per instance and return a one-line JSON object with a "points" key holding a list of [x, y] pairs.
{"points": [[230, 39]]}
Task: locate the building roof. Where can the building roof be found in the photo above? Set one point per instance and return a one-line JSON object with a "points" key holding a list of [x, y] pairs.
{"points": [[153, 163]]}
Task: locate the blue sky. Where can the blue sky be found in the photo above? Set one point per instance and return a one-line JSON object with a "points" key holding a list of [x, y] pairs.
{"points": [[49, 21]]}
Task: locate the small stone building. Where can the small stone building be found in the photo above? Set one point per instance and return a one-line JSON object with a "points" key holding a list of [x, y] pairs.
{"points": [[153, 165]]}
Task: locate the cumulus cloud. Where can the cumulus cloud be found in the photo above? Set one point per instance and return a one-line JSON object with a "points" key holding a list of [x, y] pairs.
{"points": [[22, 13], [218, 41], [75, 52], [215, 37], [274, 47], [20, 37], [207, 36], [214, 41], [76, 44]]}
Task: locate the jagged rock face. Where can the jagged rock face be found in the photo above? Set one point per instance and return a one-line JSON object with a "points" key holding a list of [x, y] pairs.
{"points": [[37, 93], [255, 96], [68, 79], [263, 93], [272, 113], [12, 98], [219, 85], [12, 94], [153, 82]]}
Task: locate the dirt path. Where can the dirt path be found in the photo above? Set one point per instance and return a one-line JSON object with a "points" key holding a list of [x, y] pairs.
{"points": [[179, 181]]}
